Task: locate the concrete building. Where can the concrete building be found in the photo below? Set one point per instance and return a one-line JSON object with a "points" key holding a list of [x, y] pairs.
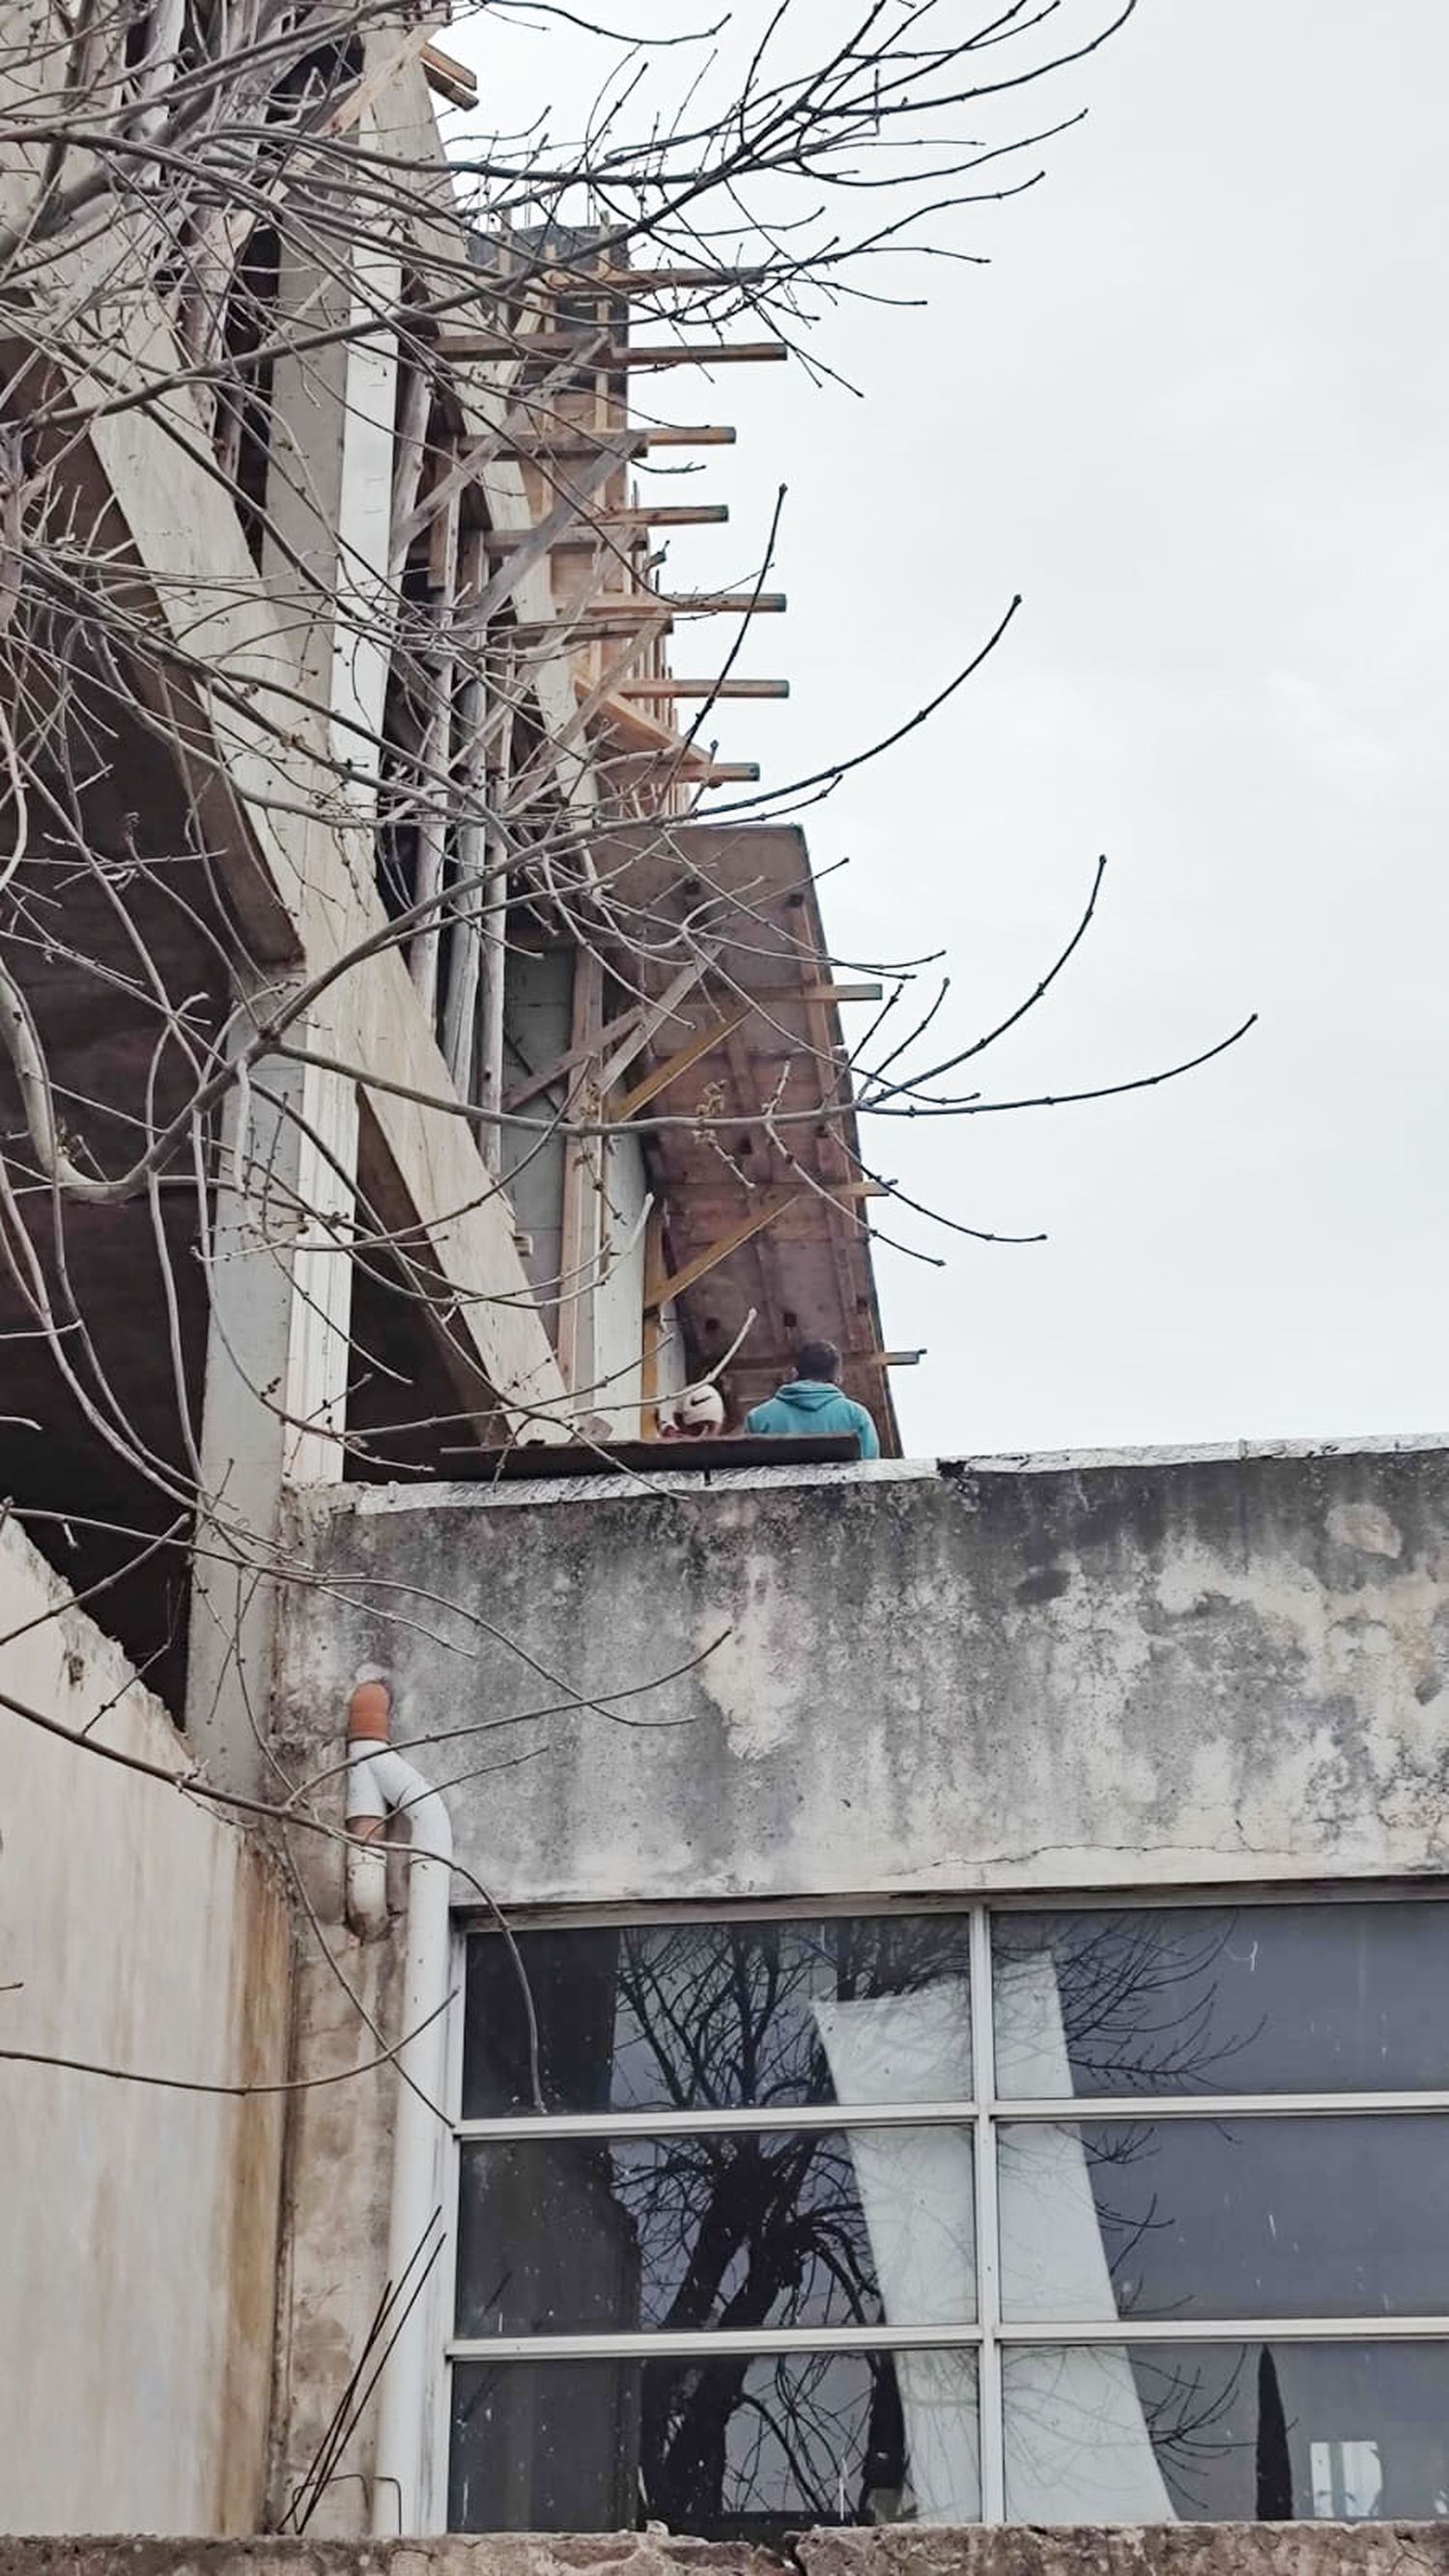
{"points": [[349, 605], [569, 1988], [996, 1990], [968, 2044]]}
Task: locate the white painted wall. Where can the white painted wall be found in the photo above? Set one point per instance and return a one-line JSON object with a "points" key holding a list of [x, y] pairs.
{"points": [[137, 2226]]}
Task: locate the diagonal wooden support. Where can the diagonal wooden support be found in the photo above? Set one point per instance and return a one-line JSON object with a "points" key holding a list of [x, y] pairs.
{"points": [[659, 1076], [573, 500], [533, 1083], [476, 453], [653, 1019], [660, 1291]]}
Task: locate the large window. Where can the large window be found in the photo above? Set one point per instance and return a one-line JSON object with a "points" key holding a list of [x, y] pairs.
{"points": [[1096, 2215]]}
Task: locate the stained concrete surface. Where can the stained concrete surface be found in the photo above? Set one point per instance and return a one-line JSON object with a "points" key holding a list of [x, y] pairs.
{"points": [[138, 2226], [1179, 2549], [1160, 1671]]}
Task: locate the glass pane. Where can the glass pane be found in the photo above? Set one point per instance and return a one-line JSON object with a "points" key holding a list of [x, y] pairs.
{"points": [[1292, 2432], [786, 2229], [726, 2449], [1246, 1999], [1225, 2218], [714, 2016]]}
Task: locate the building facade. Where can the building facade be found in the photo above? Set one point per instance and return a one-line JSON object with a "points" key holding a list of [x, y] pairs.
{"points": [[969, 2041], [736, 1995]]}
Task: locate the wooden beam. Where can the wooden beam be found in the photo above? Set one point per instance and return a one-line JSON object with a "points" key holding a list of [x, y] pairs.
{"points": [[659, 1076], [893, 1359], [520, 445], [582, 1192], [649, 1021], [759, 1216], [699, 603], [575, 276], [661, 742], [473, 454], [615, 628], [838, 1193], [707, 689], [474, 614], [669, 514], [451, 79], [840, 992], [481, 346], [604, 523], [534, 1083]]}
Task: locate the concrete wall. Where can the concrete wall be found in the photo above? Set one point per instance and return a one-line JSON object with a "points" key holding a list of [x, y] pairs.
{"points": [[1084, 1674], [1179, 2549], [347, 2010], [138, 2226], [900, 1680]]}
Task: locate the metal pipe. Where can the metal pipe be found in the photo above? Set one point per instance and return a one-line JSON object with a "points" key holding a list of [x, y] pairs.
{"points": [[380, 1781]]}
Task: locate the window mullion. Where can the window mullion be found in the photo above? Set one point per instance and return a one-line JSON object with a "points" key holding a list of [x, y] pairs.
{"points": [[988, 2239]]}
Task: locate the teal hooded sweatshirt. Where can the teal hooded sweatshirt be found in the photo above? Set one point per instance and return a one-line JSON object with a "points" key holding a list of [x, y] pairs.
{"points": [[809, 1404]]}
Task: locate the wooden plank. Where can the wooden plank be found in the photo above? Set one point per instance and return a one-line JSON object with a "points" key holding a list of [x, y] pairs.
{"points": [[669, 514], [706, 689], [476, 453], [533, 1083], [474, 615], [840, 992], [659, 1076], [662, 742], [451, 79], [704, 514], [650, 1021], [518, 446], [582, 1180], [676, 434], [755, 1222], [551, 755], [619, 281], [493, 940], [893, 1359], [699, 603], [550, 629], [481, 347]]}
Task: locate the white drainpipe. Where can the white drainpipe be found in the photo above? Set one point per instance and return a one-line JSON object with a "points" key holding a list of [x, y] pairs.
{"points": [[379, 1780]]}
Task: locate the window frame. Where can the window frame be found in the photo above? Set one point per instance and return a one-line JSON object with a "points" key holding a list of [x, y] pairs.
{"points": [[989, 2335]]}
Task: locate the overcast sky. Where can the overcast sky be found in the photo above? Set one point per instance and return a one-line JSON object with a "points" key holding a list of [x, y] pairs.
{"points": [[1195, 411]]}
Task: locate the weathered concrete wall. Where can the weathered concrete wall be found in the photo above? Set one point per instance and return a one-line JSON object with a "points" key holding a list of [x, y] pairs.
{"points": [[1180, 2549], [992, 1676], [347, 2008], [138, 2226]]}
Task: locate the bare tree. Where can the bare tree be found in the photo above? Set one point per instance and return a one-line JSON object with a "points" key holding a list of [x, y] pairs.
{"points": [[334, 679]]}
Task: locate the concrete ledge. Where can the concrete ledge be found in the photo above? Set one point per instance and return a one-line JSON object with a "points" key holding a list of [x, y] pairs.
{"points": [[1167, 2549]]}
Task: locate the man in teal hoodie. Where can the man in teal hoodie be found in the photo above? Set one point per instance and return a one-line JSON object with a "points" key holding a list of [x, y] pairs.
{"points": [[812, 1401]]}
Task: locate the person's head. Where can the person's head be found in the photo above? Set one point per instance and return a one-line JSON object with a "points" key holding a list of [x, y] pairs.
{"points": [[818, 1362], [697, 1414]]}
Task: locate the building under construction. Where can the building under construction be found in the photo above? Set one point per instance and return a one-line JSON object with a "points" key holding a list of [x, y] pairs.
{"points": [[552, 1985]]}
